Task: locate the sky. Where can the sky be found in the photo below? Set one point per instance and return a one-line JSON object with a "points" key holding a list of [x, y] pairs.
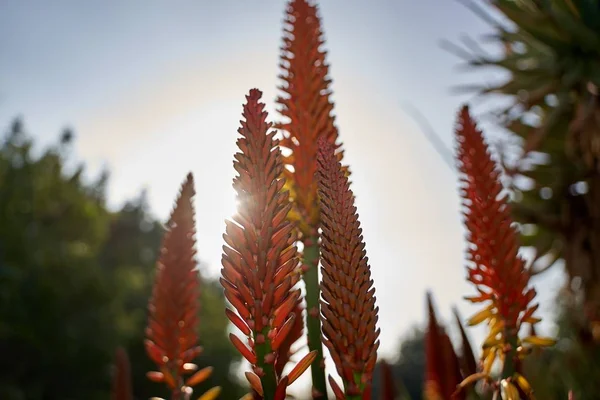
{"points": [[154, 89]]}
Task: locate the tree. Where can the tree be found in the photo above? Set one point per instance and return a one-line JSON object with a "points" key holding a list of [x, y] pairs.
{"points": [[75, 280], [55, 323]]}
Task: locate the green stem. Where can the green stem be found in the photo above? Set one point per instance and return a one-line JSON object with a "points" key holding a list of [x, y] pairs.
{"points": [[268, 381], [510, 358], [311, 281]]}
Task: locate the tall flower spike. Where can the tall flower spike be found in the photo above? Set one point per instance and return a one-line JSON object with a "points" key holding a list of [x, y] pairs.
{"points": [[306, 108], [494, 266], [348, 311], [172, 341], [260, 264]]}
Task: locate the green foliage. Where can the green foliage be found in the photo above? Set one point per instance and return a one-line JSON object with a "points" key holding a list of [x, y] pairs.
{"points": [[75, 280], [570, 365], [54, 316]]}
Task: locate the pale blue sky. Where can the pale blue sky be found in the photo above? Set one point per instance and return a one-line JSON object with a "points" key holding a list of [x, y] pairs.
{"points": [[155, 88]]}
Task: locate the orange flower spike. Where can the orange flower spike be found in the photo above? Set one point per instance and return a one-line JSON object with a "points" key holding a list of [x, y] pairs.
{"points": [[307, 112], [348, 311], [260, 263], [172, 341], [306, 106], [495, 268]]}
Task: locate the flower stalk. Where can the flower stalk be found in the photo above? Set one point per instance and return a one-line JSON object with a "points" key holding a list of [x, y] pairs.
{"points": [[348, 311], [494, 265], [260, 263], [172, 339], [307, 112]]}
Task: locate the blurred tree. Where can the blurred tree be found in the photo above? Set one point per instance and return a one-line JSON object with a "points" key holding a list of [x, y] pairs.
{"points": [[408, 370], [55, 324], [75, 280], [572, 364]]}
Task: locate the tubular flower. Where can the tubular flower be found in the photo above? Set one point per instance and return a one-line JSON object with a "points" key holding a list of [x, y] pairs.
{"points": [[494, 266], [442, 372], [260, 264], [285, 352], [348, 311], [172, 341]]}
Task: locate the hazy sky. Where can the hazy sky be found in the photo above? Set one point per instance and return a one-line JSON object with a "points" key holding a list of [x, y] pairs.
{"points": [[154, 89]]}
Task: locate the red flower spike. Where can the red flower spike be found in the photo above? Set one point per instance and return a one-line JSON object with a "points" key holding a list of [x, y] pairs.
{"points": [[306, 106], [121, 386], [494, 266], [348, 299], [307, 112], [173, 318], [172, 341], [260, 251]]}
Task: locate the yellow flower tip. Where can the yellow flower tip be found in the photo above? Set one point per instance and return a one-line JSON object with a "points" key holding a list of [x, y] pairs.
{"points": [[211, 394], [508, 391], [492, 341], [481, 316], [524, 385], [489, 360], [199, 376], [472, 379], [539, 341]]}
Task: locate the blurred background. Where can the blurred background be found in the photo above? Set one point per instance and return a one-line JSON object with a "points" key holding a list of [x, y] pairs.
{"points": [[105, 106]]}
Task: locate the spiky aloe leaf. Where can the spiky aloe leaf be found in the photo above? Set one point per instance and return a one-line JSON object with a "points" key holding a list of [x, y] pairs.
{"points": [[260, 264], [467, 357], [442, 372], [348, 311]]}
